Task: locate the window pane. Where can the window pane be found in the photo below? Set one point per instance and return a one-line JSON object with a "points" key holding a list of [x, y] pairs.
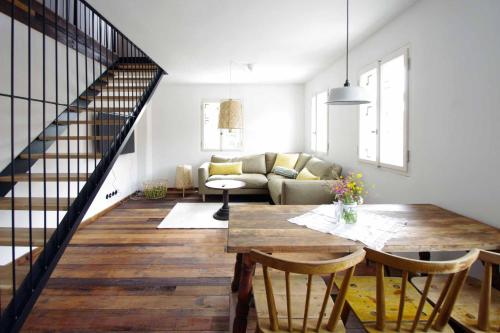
{"points": [[368, 118], [322, 123], [231, 139], [313, 123], [392, 111], [211, 134]]}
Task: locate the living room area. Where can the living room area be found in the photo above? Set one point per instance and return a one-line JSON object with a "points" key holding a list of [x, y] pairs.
{"points": [[282, 166]]}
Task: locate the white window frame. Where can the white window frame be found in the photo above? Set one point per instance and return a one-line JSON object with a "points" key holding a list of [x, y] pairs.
{"points": [[404, 51], [315, 149], [202, 123]]}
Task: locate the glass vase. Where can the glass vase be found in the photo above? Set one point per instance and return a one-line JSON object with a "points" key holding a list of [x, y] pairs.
{"points": [[349, 213]]}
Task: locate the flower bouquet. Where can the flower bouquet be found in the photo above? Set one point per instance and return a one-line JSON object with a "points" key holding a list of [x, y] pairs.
{"points": [[349, 193]]}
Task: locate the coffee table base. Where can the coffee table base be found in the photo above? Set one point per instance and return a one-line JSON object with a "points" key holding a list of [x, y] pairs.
{"points": [[223, 213]]}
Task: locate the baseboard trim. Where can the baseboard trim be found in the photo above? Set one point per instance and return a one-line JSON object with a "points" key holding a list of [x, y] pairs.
{"points": [[95, 217]]}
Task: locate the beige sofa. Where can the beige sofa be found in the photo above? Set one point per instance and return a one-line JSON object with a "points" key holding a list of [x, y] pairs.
{"points": [[260, 180]]}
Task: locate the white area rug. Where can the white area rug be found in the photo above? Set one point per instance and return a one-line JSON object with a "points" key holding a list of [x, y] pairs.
{"points": [[193, 216]]}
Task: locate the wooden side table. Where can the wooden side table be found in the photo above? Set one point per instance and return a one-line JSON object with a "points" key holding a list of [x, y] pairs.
{"points": [[224, 185]]}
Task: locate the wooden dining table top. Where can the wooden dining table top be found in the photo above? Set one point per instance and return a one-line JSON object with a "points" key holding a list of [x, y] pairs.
{"points": [[428, 228]]}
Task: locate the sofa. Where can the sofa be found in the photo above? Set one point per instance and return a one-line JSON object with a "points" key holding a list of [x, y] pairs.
{"points": [[259, 178]]}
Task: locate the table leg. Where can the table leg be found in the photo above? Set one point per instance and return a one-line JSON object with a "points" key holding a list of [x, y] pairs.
{"points": [[237, 272], [244, 295], [223, 213], [424, 256]]}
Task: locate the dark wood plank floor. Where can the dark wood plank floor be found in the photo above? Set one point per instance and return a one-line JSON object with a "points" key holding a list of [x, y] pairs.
{"points": [[120, 273]]}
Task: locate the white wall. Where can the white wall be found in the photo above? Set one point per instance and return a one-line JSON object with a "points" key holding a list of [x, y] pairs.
{"points": [[273, 121], [454, 116], [127, 174]]}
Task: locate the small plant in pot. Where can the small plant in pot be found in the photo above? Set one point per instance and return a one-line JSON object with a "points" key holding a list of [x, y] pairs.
{"points": [[154, 190], [349, 193]]}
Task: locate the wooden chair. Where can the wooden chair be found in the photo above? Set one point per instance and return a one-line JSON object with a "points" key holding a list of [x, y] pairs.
{"points": [[477, 308], [280, 298], [391, 304]]}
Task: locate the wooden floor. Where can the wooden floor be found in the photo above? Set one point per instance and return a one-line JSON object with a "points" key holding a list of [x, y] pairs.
{"points": [[121, 273]]}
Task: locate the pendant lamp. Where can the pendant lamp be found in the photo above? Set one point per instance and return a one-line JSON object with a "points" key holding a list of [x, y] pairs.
{"points": [[348, 95], [230, 115]]}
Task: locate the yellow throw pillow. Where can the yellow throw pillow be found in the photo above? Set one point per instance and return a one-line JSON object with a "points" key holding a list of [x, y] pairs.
{"points": [[228, 168], [286, 160], [306, 175]]}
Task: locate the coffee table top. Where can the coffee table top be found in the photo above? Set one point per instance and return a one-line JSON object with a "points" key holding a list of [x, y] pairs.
{"points": [[228, 184]]}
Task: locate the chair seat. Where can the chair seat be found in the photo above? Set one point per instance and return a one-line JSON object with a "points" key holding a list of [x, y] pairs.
{"points": [[405, 327], [361, 298], [467, 305], [298, 287]]}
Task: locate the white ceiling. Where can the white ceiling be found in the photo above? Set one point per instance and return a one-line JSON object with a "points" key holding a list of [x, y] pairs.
{"points": [[288, 40]]}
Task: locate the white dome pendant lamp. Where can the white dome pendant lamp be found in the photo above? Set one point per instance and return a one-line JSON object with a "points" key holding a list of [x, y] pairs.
{"points": [[348, 95]]}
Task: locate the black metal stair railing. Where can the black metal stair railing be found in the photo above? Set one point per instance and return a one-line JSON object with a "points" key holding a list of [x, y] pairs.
{"points": [[74, 88]]}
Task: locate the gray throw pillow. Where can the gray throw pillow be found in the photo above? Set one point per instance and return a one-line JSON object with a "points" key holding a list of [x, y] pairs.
{"points": [[285, 172]]}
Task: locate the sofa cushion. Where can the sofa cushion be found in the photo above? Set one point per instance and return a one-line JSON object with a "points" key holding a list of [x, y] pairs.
{"points": [[275, 185], [252, 180], [286, 160], [270, 159], [305, 174], [302, 161], [254, 164], [285, 172], [323, 169], [251, 163], [274, 176], [220, 159], [227, 168]]}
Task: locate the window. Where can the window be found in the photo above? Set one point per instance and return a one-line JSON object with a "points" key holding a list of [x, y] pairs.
{"points": [[383, 124], [214, 138], [319, 123]]}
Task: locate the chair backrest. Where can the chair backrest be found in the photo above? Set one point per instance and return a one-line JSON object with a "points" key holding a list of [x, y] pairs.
{"points": [[456, 270], [329, 267], [489, 259]]}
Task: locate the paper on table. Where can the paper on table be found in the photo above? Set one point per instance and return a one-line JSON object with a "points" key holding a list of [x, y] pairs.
{"points": [[374, 230]]}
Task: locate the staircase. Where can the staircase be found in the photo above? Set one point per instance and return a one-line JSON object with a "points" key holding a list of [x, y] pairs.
{"points": [[74, 103]]}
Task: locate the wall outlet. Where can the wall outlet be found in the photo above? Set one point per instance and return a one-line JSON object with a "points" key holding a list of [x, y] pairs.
{"points": [[112, 194]]}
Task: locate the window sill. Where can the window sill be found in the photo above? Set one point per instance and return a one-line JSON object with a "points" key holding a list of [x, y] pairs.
{"points": [[395, 170]]}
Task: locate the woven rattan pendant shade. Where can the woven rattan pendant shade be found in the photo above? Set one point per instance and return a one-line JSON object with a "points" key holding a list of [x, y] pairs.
{"points": [[230, 115]]}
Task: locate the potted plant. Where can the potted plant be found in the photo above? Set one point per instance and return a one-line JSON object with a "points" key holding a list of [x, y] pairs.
{"points": [[349, 193]]}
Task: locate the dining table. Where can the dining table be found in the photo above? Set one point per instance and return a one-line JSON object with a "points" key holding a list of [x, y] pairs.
{"points": [[428, 228]]}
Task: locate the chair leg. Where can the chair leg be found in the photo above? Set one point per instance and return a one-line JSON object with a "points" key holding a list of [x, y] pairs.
{"points": [[203, 197], [345, 313]]}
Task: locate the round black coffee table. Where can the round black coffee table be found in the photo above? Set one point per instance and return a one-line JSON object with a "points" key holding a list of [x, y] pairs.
{"points": [[224, 185]]}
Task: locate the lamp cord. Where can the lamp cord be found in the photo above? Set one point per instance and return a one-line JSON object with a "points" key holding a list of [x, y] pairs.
{"points": [[346, 84], [230, 77]]}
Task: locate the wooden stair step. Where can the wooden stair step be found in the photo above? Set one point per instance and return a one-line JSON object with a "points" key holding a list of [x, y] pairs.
{"points": [[37, 203], [135, 66], [22, 236], [38, 156], [120, 88], [131, 70], [109, 98], [50, 177], [110, 78], [90, 122], [75, 137], [99, 109]]}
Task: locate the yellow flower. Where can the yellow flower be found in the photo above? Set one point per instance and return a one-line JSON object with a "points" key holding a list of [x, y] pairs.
{"points": [[359, 175]]}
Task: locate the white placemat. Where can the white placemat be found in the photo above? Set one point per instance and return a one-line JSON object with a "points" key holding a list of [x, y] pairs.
{"points": [[373, 230]]}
